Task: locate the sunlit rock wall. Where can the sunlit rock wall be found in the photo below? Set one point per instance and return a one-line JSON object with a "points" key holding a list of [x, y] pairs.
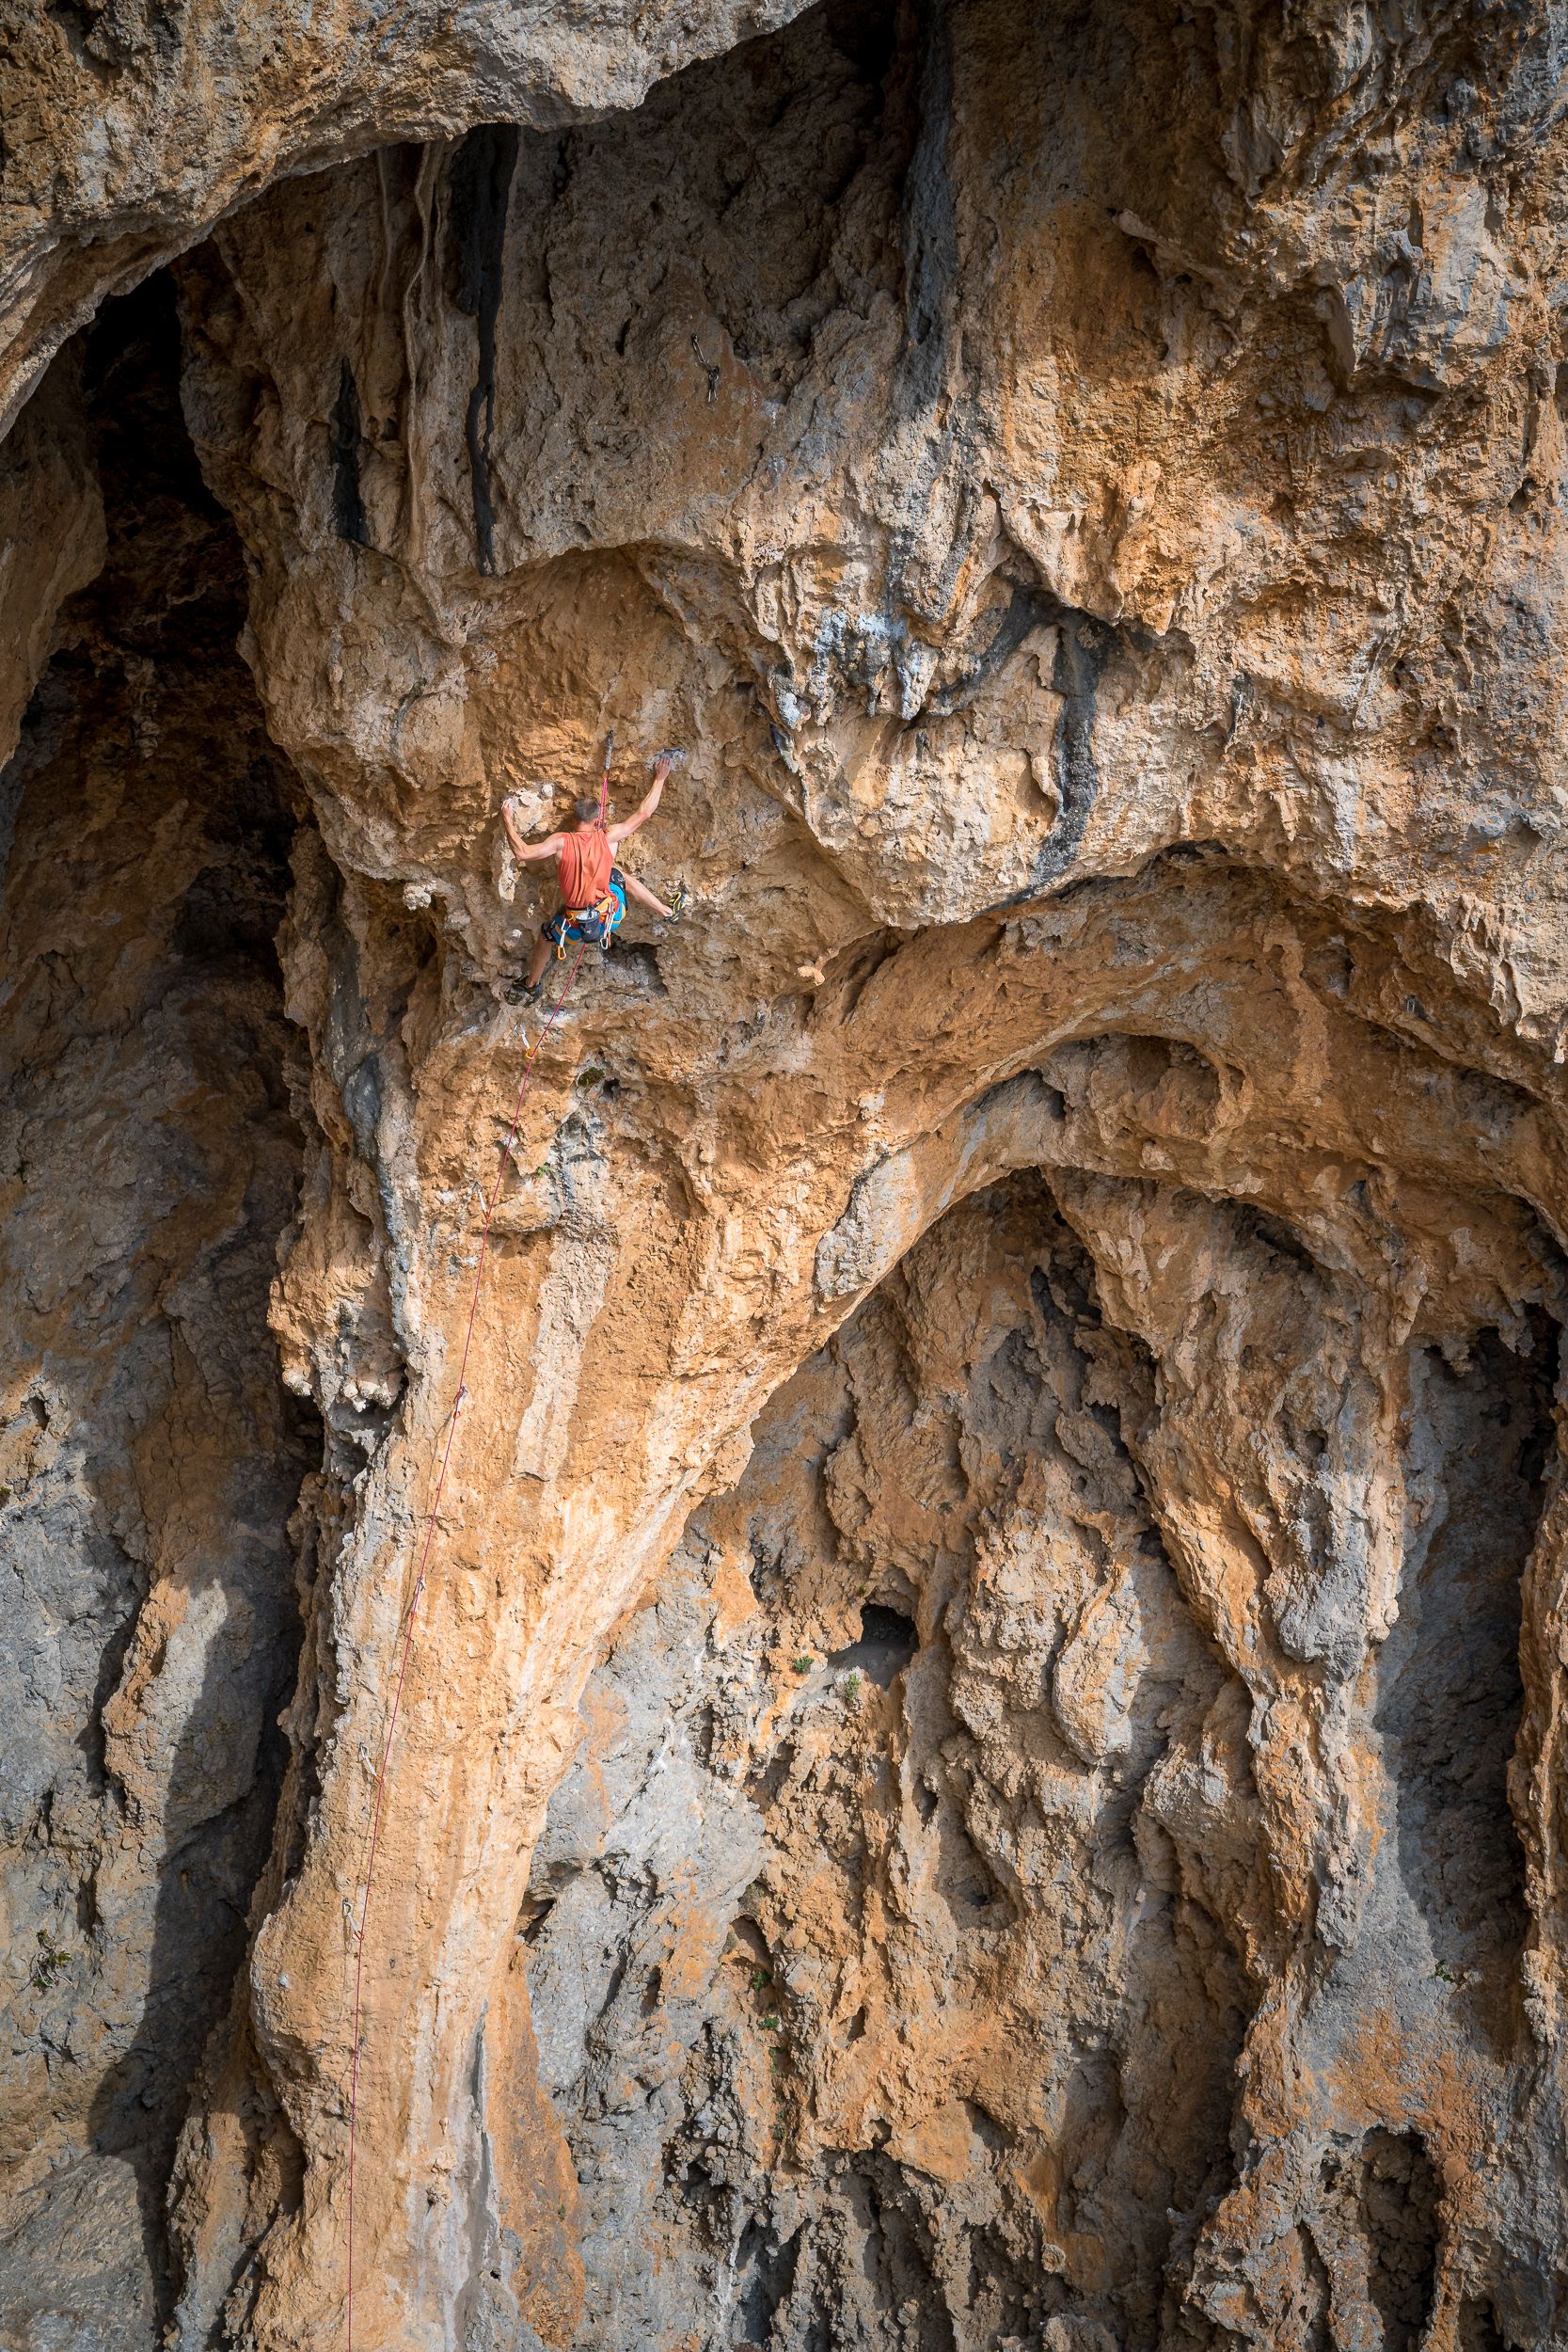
{"points": [[1063, 1848]]}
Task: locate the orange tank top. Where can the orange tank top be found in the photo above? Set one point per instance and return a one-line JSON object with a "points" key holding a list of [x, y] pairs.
{"points": [[582, 867]]}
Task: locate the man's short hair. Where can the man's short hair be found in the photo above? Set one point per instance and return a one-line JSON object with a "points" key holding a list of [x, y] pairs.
{"points": [[587, 811]]}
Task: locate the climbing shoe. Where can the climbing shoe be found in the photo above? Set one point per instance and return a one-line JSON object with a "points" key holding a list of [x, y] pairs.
{"points": [[680, 900], [520, 993]]}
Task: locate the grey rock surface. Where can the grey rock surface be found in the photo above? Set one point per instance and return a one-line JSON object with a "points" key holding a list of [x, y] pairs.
{"points": [[956, 2067], [150, 1460]]}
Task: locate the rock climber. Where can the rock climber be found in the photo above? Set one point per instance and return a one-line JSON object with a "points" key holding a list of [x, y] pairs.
{"points": [[594, 889]]}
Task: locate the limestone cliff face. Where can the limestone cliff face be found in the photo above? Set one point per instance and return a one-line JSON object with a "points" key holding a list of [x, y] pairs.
{"points": [[912, 1905], [981, 1758], [131, 126]]}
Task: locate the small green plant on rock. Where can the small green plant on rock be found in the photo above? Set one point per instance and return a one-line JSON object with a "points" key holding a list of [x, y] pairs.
{"points": [[50, 1962], [804, 1663]]}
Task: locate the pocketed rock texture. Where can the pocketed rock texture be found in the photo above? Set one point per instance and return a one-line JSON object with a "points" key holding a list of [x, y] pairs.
{"points": [[981, 1755]]}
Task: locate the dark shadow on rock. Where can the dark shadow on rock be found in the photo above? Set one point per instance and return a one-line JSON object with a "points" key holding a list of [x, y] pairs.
{"points": [[1450, 1693], [190, 1472], [1400, 2198], [887, 1642]]}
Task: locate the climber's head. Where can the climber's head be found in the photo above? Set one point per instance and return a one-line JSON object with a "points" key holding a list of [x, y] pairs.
{"points": [[586, 812]]}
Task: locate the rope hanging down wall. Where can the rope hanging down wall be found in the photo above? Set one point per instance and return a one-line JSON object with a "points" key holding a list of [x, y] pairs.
{"points": [[506, 1152]]}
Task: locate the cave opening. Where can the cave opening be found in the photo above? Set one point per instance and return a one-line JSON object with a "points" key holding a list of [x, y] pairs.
{"points": [[151, 1159], [885, 1645]]}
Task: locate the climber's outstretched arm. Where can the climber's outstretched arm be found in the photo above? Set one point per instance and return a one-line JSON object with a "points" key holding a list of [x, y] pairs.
{"points": [[528, 853], [641, 815]]}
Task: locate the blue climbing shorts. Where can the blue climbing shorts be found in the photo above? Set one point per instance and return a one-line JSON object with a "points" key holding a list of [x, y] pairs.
{"points": [[590, 930]]}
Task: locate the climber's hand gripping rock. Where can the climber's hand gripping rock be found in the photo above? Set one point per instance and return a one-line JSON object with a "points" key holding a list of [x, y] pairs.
{"points": [[594, 887]]}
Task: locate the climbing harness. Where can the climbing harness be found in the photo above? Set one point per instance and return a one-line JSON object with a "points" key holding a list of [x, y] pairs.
{"points": [[592, 925], [506, 1152]]}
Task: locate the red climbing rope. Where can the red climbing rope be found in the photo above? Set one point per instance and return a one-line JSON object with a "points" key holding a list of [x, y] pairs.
{"points": [[424, 1561]]}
